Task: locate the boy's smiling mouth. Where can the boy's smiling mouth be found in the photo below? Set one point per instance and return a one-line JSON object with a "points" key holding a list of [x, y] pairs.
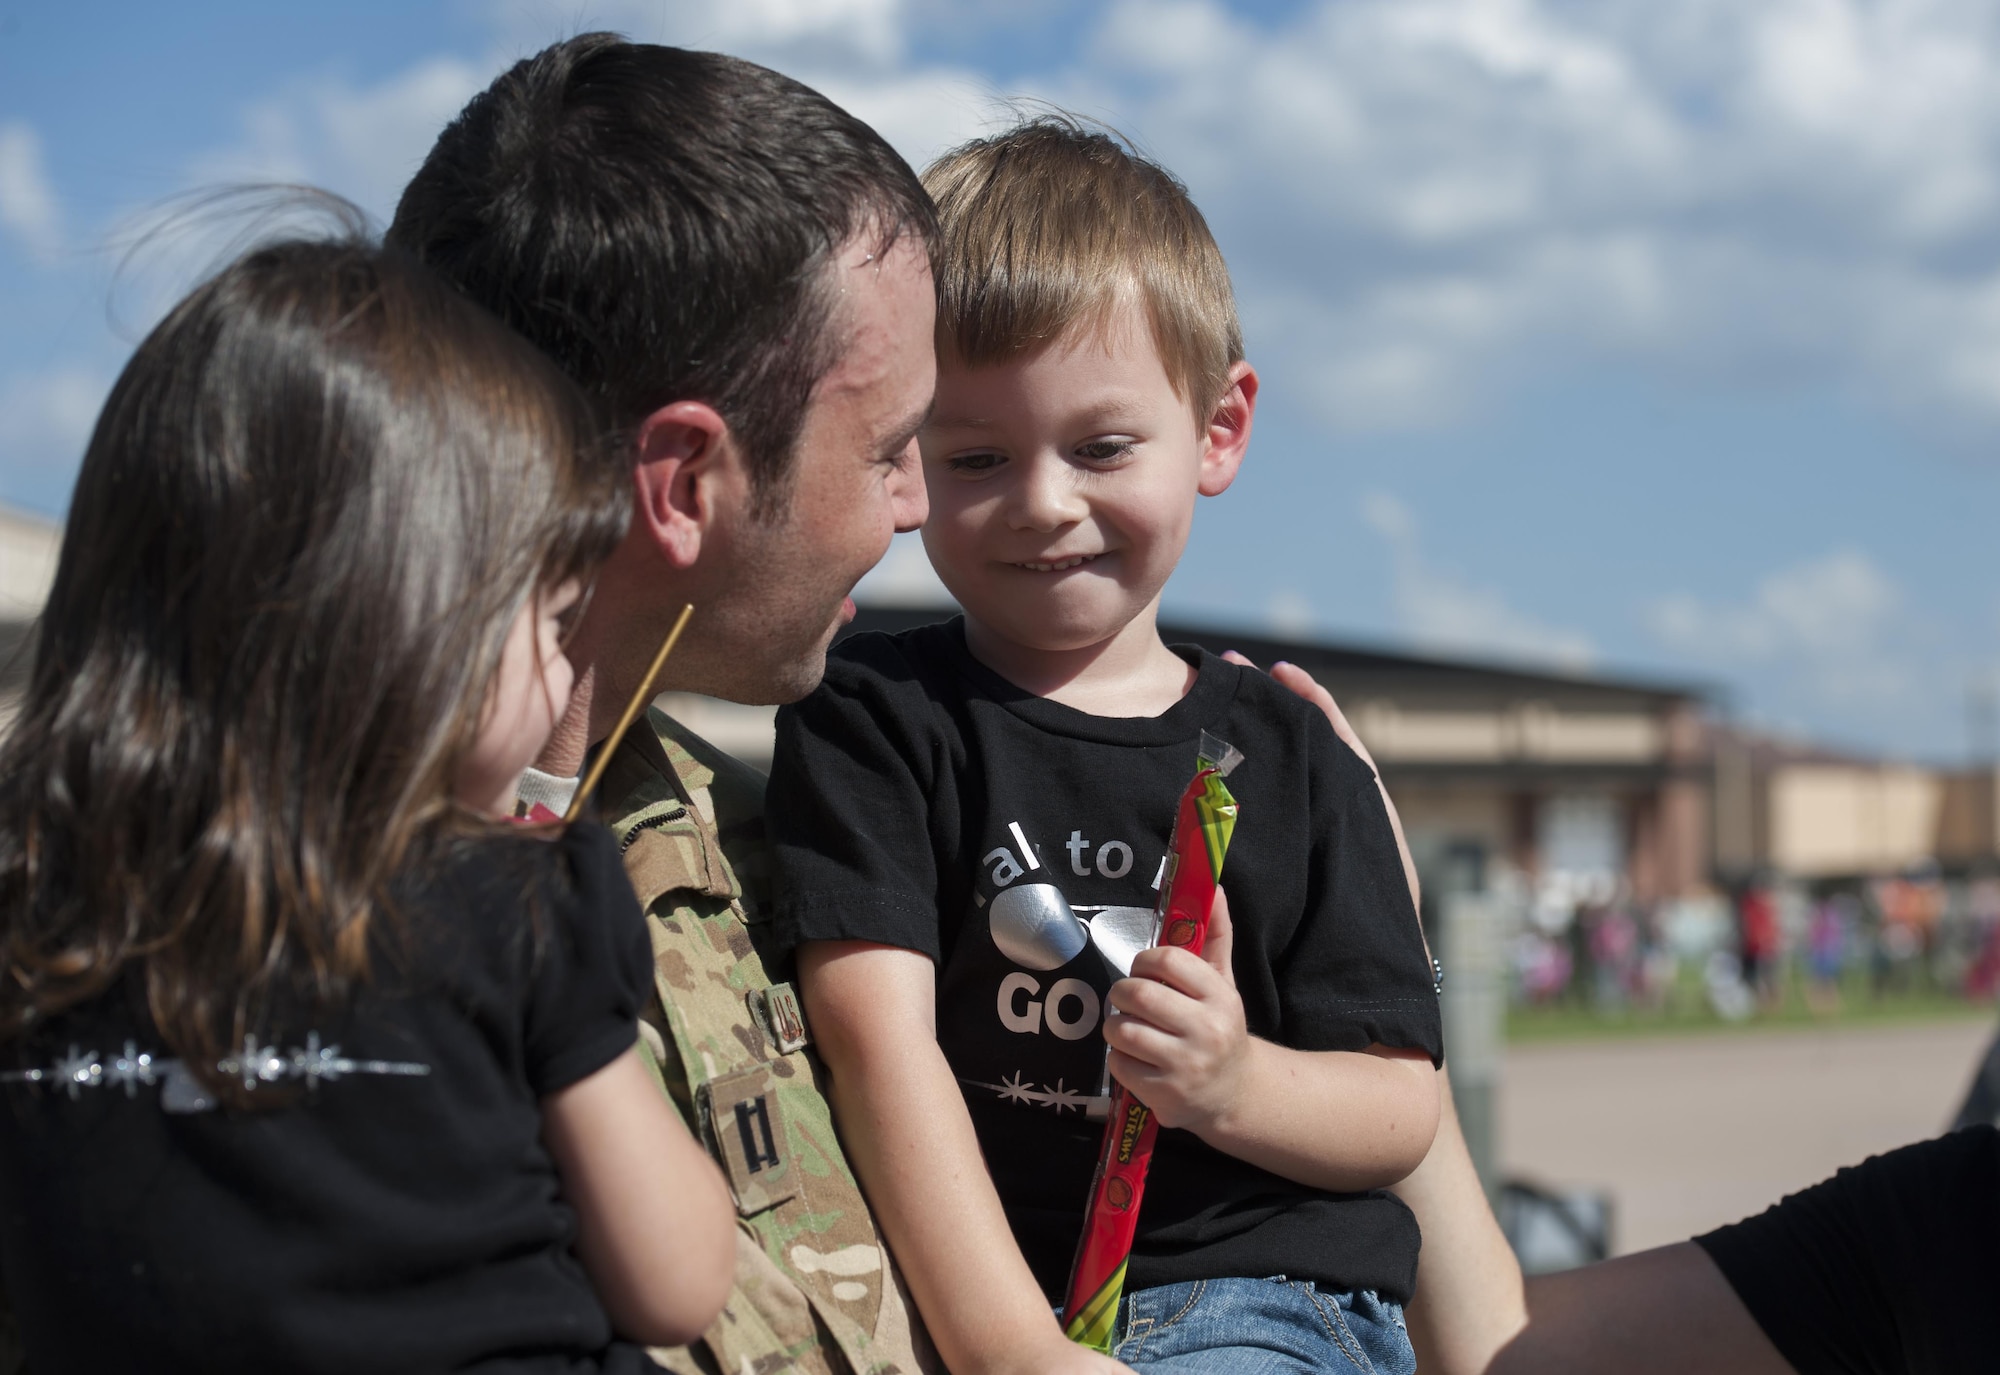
{"points": [[1058, 565]]}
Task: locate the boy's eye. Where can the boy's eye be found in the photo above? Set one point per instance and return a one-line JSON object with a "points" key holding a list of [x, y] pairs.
{"points": [[984, 461], [1104, 450]]}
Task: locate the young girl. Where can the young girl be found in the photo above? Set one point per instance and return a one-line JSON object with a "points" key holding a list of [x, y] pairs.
{"points": [[313, 1062]]}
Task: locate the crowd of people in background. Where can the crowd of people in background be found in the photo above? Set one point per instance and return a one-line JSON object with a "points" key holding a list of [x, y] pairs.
{"points": [[1771, 945]]}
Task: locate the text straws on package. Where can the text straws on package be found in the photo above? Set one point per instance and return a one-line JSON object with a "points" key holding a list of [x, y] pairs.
{"points": [[1202, 826]]}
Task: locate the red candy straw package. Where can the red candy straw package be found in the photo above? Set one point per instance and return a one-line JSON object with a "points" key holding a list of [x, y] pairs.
{"points": [[1202, 826]]}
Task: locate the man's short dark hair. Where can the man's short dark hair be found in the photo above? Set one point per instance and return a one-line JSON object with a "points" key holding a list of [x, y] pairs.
{"points": [[661, 222]]}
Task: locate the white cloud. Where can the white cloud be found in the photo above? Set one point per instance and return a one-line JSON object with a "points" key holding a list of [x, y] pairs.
{"points": [[1831, 621], [853, 51], [1425, 200], [1440, 610], [1290, 613], [361, 142], [921, 114], [1389, 517], [45, 422], [870, 28], [28, 204], [1831, 606], [828, 32]]}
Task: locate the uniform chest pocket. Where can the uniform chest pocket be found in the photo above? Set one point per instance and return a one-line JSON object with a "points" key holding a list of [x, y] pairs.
{"points": [[745, 1126]]}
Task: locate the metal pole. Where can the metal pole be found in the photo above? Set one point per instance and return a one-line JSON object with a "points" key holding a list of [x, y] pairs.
{"points": [[1475, 1011]]}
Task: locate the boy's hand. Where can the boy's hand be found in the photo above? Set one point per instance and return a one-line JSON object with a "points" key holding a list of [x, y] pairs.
{"points": [[1180, 1042]]}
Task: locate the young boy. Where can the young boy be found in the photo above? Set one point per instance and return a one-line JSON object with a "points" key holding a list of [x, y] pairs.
{"points": [[955, 801]]}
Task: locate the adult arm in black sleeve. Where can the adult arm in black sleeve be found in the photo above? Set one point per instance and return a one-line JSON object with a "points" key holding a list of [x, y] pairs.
{"points": [[1668, 1311], [1891, 1266], [1888, 1268], [1982, 1100]]}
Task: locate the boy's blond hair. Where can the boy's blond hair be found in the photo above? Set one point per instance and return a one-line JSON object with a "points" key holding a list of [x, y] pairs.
{"points": [[1052, 225]]}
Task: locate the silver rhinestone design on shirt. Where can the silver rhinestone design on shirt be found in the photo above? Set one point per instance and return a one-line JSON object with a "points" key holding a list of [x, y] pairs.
{"points": [[256, 1064]]}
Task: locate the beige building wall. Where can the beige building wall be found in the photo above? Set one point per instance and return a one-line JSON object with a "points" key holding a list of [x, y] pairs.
{"points": [[1836, 819], [28, 546], [1399, 734], [1528, 748]]}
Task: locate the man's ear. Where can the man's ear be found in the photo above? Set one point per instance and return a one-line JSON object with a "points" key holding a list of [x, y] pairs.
{"points": [[1226, 436], [687, 468]]}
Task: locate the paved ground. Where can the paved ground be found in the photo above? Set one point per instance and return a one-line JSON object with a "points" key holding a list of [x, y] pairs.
{"points": [[1692, 1131]]}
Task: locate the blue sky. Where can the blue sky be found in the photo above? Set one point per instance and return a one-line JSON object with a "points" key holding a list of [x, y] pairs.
{"points": [[1648, 338]]}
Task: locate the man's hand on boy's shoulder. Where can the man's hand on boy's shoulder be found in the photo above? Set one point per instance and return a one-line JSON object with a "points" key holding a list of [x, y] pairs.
{"points": [[1180, 1040], [1306, 686], [1302, 683]]}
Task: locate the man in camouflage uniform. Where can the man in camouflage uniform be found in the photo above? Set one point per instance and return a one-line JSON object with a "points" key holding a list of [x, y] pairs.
{"points": [[738, 273]]}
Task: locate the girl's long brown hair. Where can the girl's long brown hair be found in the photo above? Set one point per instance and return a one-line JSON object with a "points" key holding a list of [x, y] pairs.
{"points": [[314, 502]]}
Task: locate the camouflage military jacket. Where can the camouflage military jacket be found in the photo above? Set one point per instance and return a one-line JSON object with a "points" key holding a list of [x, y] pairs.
{"points": [[815, 1291]]}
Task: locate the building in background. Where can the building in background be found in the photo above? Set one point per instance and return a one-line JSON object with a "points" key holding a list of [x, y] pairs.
{"points": [[1579, 788], [28, 546], [1793, 810], [1969, 819], [1590, 784]]}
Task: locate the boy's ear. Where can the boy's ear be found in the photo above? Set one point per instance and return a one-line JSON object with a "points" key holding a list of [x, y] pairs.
{"points": [[1226, 436], [688, 476]]}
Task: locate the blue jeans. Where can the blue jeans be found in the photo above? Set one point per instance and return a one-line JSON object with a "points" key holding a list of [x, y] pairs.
{"points": [[1262, 1327]]}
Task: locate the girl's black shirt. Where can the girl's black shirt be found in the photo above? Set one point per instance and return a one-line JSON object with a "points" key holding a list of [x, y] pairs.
{"points": [[380, 1219]]}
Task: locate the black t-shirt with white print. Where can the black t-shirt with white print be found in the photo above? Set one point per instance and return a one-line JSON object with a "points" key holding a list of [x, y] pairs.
{"points": [[918, 799], [396, 1208]]}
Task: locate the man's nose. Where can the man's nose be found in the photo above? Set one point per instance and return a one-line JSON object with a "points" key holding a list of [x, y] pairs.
{"points": [[909, 501]]}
